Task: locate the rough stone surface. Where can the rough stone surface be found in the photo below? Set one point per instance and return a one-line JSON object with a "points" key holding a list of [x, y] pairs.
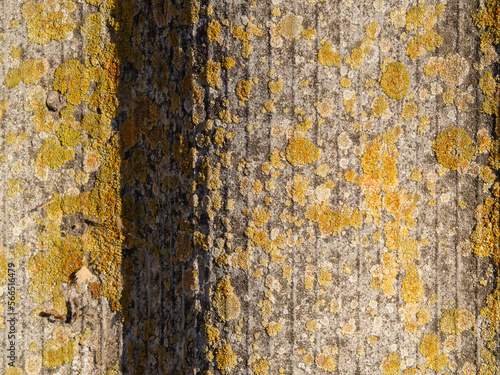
{"points": [[249, 187]]}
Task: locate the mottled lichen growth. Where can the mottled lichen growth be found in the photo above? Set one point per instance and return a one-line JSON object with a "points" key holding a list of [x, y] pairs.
{"points": [[246, 192]]}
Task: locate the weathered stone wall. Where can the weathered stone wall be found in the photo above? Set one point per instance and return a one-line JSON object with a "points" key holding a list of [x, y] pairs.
{"points": [[266, 187]]}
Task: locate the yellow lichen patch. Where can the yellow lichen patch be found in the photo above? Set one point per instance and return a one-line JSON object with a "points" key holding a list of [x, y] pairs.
{"points": [[448, 322], [325, 362], [410, 110], [243, 89], [269, 106], [483, 141], [261, 368], [325, 108], [309, 33], [211, 74], [412, 289], [455, 321], [29, 72], [327, 56], [324, 278], [372, 30], [297, 191], [16, 370], [332, 222], [213, 30], [312, 326], [358, 54], [350, 102], [98, 127], [380, 108], [400, 205], [54, 266], [226, 302], [433, 66], [260, 216], [494, 159], [291, 27], [14, 188], [52, 154], [4, 262], [415, 17], [212, 334], [92, 29], [394, 235], [44, 25], [487, 175], [454, 69], [357, 57], [429, 347], [275, 87], [345, 82], [423, 127], [21, 250], [486, 19], [389, 175], [4, 105], [103, 99], [301, 150], [274, 328], [391, 365], [421, 44], [225, 358], [485, 238], [384, 275], [423, 316], [68, 135], [408, 252], [36, 103], [416, 175], [322, 170], [453, 149], [71, 78], [395, 81], [240, 34], [91, 161], [488, 84], [228, 63]]}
